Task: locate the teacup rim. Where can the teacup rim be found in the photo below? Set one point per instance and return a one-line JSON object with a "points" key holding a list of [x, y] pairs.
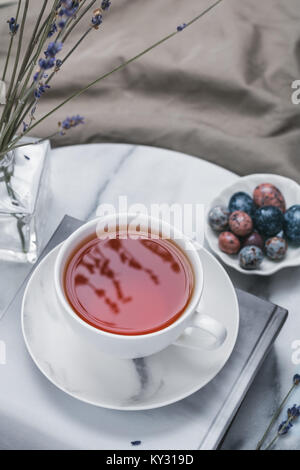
{"points": [[190, 308]]}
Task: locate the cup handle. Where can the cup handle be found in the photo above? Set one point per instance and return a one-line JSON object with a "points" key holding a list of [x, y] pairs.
{"points": [[204, 332]]}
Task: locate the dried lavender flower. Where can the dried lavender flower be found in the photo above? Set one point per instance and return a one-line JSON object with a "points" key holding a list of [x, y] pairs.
{"points": [[181, 27], [286, 425], [97, 18], [105, 4], [70, 122], [296, 379], [52, 30], [52, 49], [13, 26]]}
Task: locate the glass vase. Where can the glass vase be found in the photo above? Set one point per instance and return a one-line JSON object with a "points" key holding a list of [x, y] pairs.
{"points": [[24, 190]]}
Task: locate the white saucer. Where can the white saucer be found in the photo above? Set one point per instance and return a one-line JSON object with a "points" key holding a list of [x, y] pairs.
{"points": [[88, 375]]}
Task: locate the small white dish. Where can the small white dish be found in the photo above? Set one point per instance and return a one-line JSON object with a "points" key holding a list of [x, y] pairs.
{"points": [[291, 192], [77, 368]]}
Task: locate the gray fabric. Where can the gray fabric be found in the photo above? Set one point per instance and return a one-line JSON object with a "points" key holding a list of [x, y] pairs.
{"points": [[220, 90]]}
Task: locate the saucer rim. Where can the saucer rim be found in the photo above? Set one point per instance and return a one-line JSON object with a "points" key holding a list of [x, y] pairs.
{"points": [[133, 407]]}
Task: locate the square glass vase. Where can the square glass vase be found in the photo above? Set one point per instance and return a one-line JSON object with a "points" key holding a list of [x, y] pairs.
{"points": [[24, 193]]}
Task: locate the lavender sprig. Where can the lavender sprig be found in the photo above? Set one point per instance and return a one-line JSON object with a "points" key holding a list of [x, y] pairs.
{"points": [[46, 64], [66, 11], [13, 26], [8, 123], [97, 18], [40, 37], [53, 30], [70, 122], [51, 61], [32, 41], [64, 126], [284, 427], [96, 21], [69, 8], [47, 30], [105, 4], [10, 44], [181, 27], [10, 91], [77, 19], [14, 142]]}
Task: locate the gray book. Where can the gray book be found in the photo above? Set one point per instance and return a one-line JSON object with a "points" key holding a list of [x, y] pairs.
{"points": [[36, 415]]}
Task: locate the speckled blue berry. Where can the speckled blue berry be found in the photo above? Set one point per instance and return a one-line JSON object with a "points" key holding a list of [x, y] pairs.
{"points": [[251, 257], [218, 218], [241, 202], [276, 248], [292, 224], [268, 220]]}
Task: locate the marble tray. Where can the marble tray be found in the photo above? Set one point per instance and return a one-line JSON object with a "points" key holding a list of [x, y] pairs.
{"points": [[36, 415]]}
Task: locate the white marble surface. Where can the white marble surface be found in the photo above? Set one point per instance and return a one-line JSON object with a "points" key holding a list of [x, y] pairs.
{"points": [[85, 176], [81, 370]]}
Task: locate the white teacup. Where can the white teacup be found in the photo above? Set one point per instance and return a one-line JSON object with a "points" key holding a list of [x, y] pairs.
{"points": [[182, 332]]}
